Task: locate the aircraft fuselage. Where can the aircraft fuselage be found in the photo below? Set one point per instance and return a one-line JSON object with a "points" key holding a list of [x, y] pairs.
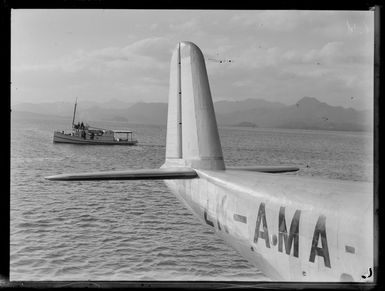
{"points": [[297, 230]]}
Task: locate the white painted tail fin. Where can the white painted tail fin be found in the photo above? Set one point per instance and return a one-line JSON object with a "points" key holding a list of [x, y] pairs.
{"points": [[192, 132]]}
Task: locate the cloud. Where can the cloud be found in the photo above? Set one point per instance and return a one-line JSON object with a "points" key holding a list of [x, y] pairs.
{"points": [[338, 53], [275, 54], [155, 47], [150, 53], [185, 26], [272, 20], [331, 71], [138, 70]]}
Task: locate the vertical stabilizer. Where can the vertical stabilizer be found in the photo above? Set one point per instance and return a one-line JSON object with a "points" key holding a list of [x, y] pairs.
{"points": [[192, 132]]}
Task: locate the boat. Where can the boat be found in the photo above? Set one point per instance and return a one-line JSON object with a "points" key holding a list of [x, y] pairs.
{"points": [[85, 134]]}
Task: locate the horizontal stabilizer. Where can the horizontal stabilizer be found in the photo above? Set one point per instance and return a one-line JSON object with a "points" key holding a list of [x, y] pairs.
{"points": [[266, 169], [145, 174]]}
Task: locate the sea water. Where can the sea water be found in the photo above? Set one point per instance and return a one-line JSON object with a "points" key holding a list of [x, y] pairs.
{"points": [[138, 230]]}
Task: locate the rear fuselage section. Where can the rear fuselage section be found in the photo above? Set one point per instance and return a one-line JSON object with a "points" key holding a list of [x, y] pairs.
{"points": [[297, 229]]}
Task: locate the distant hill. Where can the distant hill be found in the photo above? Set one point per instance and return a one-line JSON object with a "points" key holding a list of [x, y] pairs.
{"points": [[37, 116], [246, 124], [66, 108], [224, 107], [307, 113], [57, 108]]}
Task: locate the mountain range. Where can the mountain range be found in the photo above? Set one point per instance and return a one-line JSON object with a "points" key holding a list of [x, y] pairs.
{"points": [[307, 113]]}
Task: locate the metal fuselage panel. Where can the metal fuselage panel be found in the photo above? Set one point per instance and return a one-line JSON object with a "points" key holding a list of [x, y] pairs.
{"points": [[295, 239]]}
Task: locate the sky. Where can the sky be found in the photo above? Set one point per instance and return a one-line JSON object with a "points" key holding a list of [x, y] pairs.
{"points": [[277, 55]]}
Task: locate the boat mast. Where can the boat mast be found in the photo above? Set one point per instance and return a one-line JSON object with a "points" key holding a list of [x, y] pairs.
{"points": [[73, 118]]}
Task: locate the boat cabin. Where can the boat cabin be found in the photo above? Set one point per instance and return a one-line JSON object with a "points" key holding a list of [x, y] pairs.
{"points": [[122, 135]]}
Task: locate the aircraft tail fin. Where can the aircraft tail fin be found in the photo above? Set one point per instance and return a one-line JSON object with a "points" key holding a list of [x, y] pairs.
{"points": [[192, 132]]}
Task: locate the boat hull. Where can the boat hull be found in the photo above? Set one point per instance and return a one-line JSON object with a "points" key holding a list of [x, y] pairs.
{"points": [[60, 137]]}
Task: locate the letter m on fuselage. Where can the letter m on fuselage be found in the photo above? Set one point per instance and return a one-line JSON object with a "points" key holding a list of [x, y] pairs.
{"points": [[292, 237]]}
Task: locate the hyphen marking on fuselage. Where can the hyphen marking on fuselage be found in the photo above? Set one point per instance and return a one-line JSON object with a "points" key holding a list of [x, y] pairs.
{"points": [[350, 249], [240, 218]]}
